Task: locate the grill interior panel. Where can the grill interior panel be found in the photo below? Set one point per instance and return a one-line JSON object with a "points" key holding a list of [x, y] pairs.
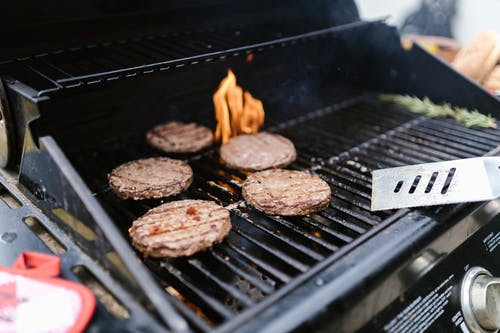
{"points": [[263, 254]]}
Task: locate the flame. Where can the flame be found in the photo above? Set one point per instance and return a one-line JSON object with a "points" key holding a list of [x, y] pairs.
{"points": [[236, 111]]}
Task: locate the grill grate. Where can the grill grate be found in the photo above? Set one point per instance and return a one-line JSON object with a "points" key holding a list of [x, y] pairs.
{"points": [[108, 61], [264, 254]]}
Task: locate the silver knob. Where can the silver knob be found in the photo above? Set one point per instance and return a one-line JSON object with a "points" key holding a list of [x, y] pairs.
{"points": [[480, 300], [485, 299]]}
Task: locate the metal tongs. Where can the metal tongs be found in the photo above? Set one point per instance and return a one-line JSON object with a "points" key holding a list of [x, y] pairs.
{"points": [[466, 180]]}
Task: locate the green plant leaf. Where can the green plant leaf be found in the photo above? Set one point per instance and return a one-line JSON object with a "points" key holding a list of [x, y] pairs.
{"points": [[427, 108]]}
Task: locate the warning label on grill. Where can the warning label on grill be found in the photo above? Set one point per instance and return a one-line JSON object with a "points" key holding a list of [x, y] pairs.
{"points": [[423, 311], [492, 241]]}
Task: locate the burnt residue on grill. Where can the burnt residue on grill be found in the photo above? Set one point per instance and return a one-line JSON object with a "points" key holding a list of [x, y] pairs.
{"points": [[263, 254]]}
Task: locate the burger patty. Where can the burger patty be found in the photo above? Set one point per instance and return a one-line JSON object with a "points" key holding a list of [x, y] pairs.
{"points": [[178, 137], [258, 151], [180, 228], [155, 177], [286, 192]]}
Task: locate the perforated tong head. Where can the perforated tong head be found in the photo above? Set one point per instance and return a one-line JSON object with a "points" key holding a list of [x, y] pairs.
{"points": [[466, 180]]}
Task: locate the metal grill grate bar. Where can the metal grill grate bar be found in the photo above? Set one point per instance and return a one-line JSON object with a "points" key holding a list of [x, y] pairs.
{"points": [[485, 136], [205, 301], [281, 235], [218, 280], [274, 245], [259, 262], [318, 244], [84, 65], [266, 285], [447, 141]]}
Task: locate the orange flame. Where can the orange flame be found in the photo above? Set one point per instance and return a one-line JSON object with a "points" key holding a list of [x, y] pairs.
{"points": [[236, 111]]}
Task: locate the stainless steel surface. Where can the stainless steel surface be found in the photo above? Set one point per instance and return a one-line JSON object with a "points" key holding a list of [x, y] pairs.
{"points": [[485, 299], [4, 144], [480, 300], [466, 180], [5, 129], [423, 263]]}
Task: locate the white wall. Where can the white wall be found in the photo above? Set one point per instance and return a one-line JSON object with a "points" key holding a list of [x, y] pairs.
{"points": [[475, 16], [472, 16]]}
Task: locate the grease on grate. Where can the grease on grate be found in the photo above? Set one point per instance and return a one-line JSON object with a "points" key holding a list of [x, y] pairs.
{"points": [[246, 288]]}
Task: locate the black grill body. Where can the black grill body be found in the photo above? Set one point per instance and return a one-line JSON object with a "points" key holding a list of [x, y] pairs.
{"points": [[78, 110]]}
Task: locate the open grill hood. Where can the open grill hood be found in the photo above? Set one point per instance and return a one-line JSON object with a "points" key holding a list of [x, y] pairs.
{"points": [[77, 109]]}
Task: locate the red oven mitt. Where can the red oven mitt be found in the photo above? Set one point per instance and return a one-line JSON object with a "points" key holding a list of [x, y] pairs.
{"points": [[32, 299]]}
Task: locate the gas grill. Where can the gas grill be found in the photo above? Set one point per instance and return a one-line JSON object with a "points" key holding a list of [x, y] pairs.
{"points": [[80, 90]]}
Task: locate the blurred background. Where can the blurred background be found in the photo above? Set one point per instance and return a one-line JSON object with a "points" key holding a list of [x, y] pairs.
{"points": [[460, 19]]}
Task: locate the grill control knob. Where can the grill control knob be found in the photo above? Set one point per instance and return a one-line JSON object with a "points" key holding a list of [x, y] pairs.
{"points": [[480, 300]]}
